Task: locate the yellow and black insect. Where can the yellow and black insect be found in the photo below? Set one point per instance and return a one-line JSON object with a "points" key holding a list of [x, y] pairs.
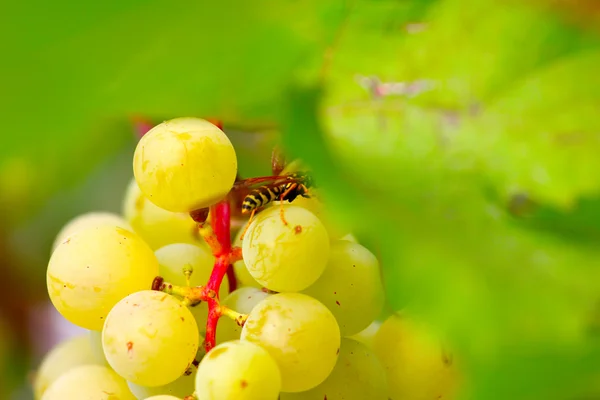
{"points": [[275, 188]]}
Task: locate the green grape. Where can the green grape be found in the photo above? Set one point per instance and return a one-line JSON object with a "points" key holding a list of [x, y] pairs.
{"points": [[163, 397], [300, 333], [238, 370], [158, 227], [90, 220], [241, 272], [243, 301], [174, 258], [95, 268], [185, 164], [286, 258], [95, 339], [350, 287], [181, 387], [89, 382], [150, 338], [65, 356], [416, 365], [349, 237], [367, 335], [357, 375]]}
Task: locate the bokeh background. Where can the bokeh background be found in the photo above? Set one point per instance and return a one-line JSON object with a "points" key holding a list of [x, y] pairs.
{"points": [[459, 139]]}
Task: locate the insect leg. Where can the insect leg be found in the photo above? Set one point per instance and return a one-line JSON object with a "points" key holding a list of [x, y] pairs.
{"points": [[248, 224]]}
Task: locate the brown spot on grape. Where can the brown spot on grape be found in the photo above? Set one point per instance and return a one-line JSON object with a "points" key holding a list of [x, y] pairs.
{"points": [[297, 229], [129, 347], [338, 351], [243, 384], [338, 303], [67, 241], [182, 319], [334, 292], [214, 353]]}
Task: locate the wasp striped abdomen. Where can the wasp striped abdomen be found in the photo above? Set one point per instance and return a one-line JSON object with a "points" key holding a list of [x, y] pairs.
{"points": [[262, 196]]}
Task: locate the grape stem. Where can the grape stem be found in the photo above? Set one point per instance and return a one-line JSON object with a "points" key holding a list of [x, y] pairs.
{"points": [[239, 318], [224, 257], [218, 237]]}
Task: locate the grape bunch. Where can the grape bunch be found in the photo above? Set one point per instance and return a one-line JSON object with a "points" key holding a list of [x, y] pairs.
{"points": [[177, 307]]}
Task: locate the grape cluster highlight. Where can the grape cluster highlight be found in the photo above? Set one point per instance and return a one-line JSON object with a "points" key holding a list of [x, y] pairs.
{"points": [[180, 307]]}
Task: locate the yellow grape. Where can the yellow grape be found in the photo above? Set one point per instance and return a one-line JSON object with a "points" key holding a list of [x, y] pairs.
{"points": [[185, 164], [417, 367], [243, 301], [158, 227], [300, 333], [181, 387], [350, 286], [63, 357], [367, 335], [95, 268], [150, 338], [89, 382], [163, 397], [238, 370], [286, 258], [95, 339], [90, 220], [241, 272], [173, 258], [357, 375]]}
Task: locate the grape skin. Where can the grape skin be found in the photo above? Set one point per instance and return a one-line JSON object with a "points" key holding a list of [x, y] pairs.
{"points": [[150, 338], [358, 375], [286, 258], [242, 300], [185, 164], [173, 258], [241, 271], [179, 388], [350, 286], [158, 227], [95, 268], [163, 397], [300, 333], [238, 370], [89, 382], [89, 220], [95, 340], [415, 363], [63, 357]]}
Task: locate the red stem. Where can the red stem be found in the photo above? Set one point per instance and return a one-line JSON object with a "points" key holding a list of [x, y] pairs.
{"points": [[221, 214]]}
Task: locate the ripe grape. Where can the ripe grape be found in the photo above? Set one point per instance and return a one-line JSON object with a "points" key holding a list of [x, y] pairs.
{"points": [[241, 271], [95, 268], [181, 387], [350, 286], [358, 375], [90, 382], [367, 335], [185, 164], [95, 339], [158, 227], [163, 397], [65, 356], [90, 220], [174, 258], [286, 258], [416, 365], [150, 338], [238, 370], [300, 333], [243, 301]]}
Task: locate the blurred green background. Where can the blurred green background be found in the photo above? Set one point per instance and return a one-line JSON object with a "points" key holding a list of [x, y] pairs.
{"points": [[459, 139]]}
